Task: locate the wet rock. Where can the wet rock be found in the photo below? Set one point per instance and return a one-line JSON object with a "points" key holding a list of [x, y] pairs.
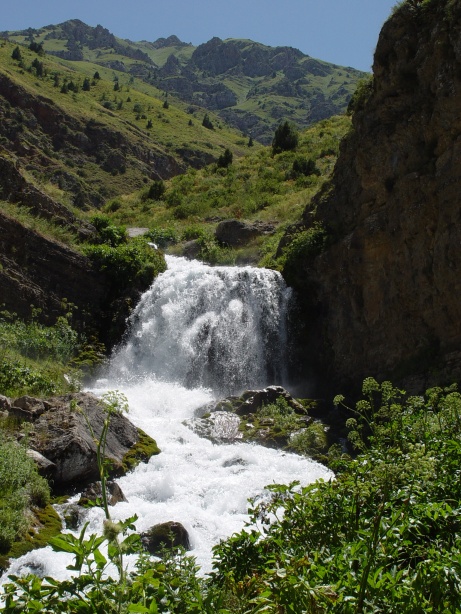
{"points": [[250, 401], [94, 491], [167, 535], [63, 436], [72, 515], [219, 426]]}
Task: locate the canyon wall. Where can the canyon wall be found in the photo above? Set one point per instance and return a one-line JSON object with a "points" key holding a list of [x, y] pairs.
{"points": [[383, 298]]}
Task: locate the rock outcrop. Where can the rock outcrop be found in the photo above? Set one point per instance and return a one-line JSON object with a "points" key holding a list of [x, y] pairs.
{"points": [[383, 298], [64, 430]]}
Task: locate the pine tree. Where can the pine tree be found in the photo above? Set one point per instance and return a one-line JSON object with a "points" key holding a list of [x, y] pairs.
{"points": [[17, 55]]}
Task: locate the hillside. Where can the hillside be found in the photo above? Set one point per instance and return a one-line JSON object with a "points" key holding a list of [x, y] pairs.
{"points": [[250, 86], [96, 137]]}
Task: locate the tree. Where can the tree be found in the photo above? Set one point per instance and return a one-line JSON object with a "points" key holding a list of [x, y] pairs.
{"points": [[96, 75], [17, 55], [207, 123], [156, 190], [285, 138], [166, 104], [37, 48], [38, 67], [225, 159], [149, 124], [86, 85], [250, 142]]}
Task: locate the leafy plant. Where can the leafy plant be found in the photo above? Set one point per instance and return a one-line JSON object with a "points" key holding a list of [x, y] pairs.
{"points": [[20, 488]]}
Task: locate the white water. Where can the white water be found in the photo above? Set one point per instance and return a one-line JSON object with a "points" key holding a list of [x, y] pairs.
{"points": [[198, 334]]}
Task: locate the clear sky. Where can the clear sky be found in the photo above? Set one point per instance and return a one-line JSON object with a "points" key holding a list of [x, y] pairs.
{"points": [[344, 32]]}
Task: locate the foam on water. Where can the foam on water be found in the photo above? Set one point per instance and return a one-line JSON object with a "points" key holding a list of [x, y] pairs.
{"points": [[185, 348]]}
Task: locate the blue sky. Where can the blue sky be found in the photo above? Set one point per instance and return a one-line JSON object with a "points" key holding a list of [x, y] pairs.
{"points": [[344, 32]]}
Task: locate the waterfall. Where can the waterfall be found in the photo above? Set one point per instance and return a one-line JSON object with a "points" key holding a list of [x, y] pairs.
{"points": [[222, 328], [199, 333]]}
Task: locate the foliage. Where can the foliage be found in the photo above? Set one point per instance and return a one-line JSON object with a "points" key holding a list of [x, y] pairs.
{"points": [[34, 357], [20, 488], [383, 536], [362, 94], [207, 123], [286, 138], [225, 159], [129, 263], [304, 246], [108, 232], [16, 54], [156, 190], [378, 538], [257, 187]]}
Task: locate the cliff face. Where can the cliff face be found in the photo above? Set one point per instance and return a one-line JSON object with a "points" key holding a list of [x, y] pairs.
{"points": [[384, 296], [42, 273]]}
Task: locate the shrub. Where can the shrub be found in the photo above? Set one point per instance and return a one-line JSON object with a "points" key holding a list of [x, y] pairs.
{"points": [[156, 191], [225, 159], [127, 264], [207, 123], [285, 138], [362, 94], [20, 487], [163, 237], [107, 232], [17, 55]]}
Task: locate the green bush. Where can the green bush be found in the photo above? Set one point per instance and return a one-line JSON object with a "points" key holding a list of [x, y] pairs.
{"points": [[17, 378], [163, 236], [360, 97], [127, 264], [156, 191], [107, 232], [20, 487]]}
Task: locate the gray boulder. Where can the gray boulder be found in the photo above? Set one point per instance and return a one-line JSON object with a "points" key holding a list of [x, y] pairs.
{"points": [[62, 435]]}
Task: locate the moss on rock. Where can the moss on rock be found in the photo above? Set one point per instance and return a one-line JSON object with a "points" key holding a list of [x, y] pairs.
{"points": [[140, 452], [45, 523]]}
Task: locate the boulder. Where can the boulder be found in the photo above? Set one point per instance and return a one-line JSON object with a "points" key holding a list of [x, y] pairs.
{"points": [[28, 408], [235, 233], [94, 491], [166, 535], [218, 426], [63, 434], [5, 403], [46, 468], [250, 401], [236, 418]]}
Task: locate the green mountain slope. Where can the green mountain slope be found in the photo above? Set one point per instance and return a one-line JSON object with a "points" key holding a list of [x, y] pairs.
{"points": [[251, 86], [85, 139]]}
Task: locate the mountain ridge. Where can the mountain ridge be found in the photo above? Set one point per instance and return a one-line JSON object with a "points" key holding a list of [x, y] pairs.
{"points": [[250, 85]]}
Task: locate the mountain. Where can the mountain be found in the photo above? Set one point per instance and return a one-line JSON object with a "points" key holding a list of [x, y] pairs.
{"points": [[382, 298], [253, 87], [77, 130]]}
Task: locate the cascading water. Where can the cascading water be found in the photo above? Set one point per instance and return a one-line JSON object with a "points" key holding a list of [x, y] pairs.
{"points": [[200, 332], [222, 328]]}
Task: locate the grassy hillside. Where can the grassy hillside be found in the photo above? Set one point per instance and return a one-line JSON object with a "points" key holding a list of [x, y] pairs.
{"points": [[260, 187], [250, 85], [84, 139]]}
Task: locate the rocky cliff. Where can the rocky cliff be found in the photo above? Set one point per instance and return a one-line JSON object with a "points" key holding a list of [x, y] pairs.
{"points": [[383, 297]]}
